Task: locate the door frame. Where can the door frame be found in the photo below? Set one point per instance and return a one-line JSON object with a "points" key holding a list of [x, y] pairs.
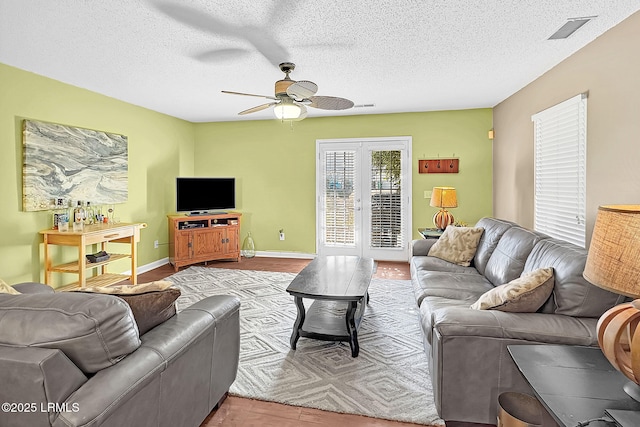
{"points": [[407, 180]]}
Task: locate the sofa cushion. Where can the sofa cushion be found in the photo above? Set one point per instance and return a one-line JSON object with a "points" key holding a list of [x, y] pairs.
{"points": [[430, 263], [458, 287], [525, 294], [7, 289], [94, 331], [151, 303], [508, 259], [493, 231], [572, 294], [457, 245]]}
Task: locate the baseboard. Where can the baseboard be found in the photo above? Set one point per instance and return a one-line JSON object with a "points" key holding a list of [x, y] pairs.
{"points": [[298, 255], [148, 267], [159, 263]]}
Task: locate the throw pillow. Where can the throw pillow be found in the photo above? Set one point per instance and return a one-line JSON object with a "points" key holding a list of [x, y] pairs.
{"points": [[151, 303], [525, 294], [457, 244], [7, 289]]}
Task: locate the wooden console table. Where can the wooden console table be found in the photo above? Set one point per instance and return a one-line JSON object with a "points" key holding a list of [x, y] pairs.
{"points": [[91, 235]]}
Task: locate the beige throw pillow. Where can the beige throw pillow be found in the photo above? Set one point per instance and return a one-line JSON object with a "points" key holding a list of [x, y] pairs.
{"points": [[525, 294], [457, 244], [7, 289], [141, 288]]}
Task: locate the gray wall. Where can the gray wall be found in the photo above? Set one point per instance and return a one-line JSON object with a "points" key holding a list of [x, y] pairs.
{"points": [[609, 70]]}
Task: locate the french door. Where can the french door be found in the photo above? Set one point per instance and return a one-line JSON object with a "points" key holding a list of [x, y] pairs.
{"points": [[364, 197]]}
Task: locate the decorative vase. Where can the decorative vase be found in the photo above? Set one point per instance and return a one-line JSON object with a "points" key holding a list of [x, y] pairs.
{"points": [[248, 247]]}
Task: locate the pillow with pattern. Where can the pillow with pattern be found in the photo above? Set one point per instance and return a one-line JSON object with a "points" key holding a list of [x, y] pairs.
{"points": [[151, 303], [457, 244], [7, 289], [525, 294]]}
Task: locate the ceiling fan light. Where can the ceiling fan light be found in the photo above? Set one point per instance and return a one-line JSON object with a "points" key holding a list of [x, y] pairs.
{"points": [[285, 111]]}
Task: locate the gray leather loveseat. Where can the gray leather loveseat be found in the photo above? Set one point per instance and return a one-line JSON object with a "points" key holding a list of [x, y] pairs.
{"points": [[467, 349], [76, 359]]}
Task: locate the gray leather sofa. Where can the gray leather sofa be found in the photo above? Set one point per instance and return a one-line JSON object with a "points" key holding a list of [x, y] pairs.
{"points": [[467, 349], [76, 359]]}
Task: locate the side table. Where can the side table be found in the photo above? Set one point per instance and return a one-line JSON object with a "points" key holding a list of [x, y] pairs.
{"points": [[430, 233], [576, 384]]}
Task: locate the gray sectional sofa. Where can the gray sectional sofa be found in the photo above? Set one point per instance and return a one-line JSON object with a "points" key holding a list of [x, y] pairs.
{"points": [[77, 359], [467, 349]]}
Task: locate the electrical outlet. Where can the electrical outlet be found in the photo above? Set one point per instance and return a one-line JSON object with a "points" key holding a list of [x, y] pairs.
{"points": [[427, 194], [281, 235], [155, 244]]}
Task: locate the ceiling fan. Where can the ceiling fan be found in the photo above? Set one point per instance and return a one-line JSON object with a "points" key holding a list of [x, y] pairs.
{"points": [[292, 98], [259, 37]]}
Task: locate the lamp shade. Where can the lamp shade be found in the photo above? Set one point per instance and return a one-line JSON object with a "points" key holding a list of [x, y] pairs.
{"points": [[444, 197], [287, 111], [613, 260]]}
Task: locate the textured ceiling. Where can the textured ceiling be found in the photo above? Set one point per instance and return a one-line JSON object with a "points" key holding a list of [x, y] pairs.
{"points": [[400, 55]]}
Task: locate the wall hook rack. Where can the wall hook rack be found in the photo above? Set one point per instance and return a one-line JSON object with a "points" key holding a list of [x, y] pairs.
{"points": [[439, 165]]}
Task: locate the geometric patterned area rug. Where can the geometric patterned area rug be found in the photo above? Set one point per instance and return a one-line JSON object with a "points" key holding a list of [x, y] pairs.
{"points": [[389, 379]]}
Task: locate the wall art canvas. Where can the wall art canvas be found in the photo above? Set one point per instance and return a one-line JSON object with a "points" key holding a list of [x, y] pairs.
{"points": [[70, 163]]}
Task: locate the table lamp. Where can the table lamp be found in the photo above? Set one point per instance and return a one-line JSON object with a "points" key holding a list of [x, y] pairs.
{"points": [[443, 198], [613, 263]]}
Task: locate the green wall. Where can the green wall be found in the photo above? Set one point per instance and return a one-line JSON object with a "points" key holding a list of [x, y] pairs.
{"points": [[275, 167], [160, 148]]}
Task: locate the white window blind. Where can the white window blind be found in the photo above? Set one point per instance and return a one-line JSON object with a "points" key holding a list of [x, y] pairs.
{"points": [[560, 170], [339, 179], [387, 228]]}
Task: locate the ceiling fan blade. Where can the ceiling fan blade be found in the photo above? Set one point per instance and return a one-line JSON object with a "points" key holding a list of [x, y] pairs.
{"points": [[265, 43], [258, 108], [197, 19], [221, 55], [250, 94], [259, 37], [330, 103], [302, 89]]}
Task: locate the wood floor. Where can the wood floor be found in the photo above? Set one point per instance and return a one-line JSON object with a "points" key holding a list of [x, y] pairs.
{"points": [[237, 411]]}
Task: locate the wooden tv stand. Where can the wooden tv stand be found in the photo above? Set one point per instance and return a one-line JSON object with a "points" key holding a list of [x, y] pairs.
{"points": [[200, 238]]}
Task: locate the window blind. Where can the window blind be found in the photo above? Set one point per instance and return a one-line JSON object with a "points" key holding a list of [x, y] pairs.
{"points": [[387, 230], [560, 134], [339, 177]]}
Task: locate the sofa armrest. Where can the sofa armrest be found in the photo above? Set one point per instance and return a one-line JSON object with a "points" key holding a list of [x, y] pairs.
{"points": [[38, 377], [533, 327], [420, 247], [225, 311]]}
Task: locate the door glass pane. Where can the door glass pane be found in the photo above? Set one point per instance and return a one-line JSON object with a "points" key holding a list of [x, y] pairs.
{"points": [[386, 200], [339, 181]]}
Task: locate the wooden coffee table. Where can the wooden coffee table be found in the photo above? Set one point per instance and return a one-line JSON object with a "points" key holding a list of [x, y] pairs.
{"points": [[327, 280]]}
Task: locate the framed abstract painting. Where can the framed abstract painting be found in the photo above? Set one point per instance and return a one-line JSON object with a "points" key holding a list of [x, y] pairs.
{"points": [[71, 163]]}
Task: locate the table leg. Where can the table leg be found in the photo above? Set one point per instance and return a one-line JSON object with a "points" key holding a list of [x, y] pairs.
{"points": [[47, 261], [351, 328], [298, 323]]}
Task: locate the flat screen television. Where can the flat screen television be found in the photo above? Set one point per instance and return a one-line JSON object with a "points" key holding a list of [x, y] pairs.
{"points": [[202, 195]]}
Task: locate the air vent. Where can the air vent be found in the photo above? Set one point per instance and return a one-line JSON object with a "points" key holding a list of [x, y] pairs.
{"points": [[572, 25], [364, 106]]}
